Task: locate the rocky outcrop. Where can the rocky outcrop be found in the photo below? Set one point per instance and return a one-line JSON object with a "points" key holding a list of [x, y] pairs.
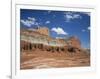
{"points": [[74, 42], [31, 40]]}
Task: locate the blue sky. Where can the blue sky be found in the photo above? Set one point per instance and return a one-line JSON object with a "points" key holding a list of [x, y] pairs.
{"points": [[61, 23]]}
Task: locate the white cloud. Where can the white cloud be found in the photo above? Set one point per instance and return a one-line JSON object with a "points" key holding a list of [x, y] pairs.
{"points": [[32, 19], [29, 22], [76, 16], [71, 15], [88, 28], [47, 22], [83, 30], [59, 30], [26, 23]]}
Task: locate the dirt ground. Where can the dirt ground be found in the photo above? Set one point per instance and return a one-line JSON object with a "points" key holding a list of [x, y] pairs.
{"points": [[43, 59]]}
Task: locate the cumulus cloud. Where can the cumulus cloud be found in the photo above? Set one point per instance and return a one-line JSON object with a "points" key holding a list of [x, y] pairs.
{"points": [[59, 31], [47, 22], [26, 23], [29, 22], [71, 15]]}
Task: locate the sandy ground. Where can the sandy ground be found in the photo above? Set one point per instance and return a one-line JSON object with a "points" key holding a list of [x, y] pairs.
{"points": [[42, 59]]}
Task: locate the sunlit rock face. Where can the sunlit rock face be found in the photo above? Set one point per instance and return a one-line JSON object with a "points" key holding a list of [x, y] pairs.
{"points": [[74, 42], [37, 36]]}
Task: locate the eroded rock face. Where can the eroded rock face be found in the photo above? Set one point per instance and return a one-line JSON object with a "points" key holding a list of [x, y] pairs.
{"points": [[74, 42], [31, 40]]}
